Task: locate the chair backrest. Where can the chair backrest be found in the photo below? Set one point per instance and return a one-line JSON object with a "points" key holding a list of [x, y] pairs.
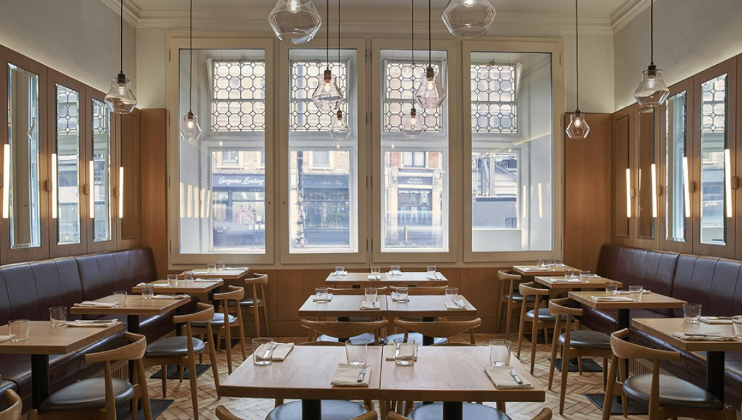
{"points": [[559, 307], [133, 351], [355, 292], [545, 414], [530, 288], [370, 415], [257, 278], [394, 416], [511, 279], [445, 329], [235, 293], [623, 349], [345, 329], [15, 406], [223, 413], [205, 314], [423, 290]]}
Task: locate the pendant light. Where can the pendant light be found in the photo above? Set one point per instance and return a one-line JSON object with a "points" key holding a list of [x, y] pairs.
{"points": [[327, 96], [339, 129], [652, 90], [189, 129], [578, 127], [412, 125], [431, 93], [120, 99], [468, 18], [295, 21]]}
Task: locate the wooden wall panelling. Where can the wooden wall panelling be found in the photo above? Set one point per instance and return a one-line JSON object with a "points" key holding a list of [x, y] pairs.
{"points": [[646, 153], [622, 135], [129, 148], [738, 145], [153, 138], [587, 193]]}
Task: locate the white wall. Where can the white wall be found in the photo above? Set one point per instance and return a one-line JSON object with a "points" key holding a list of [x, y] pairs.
{"points": [[79, 38], [689, 36], [151, 58], [596, 72]]}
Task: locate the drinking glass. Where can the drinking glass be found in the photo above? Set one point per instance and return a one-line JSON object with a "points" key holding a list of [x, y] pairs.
{"points": [[120, 299], [339, 270], [375, 270], [403, 294], [737, 325], [322, 294], [395, 270], [432, 271], [610, 288], [357, 351], [452, 294], [635, 293], [262, 350], [500, 351], [371, 294], [172, 280], [188, 276], [19, 329], [692, 313], [541, 263], [551, 265], [405, 351], [569, 273], [147, 291], [221, 265], [58, 315], [585, 276], [211, 268]]}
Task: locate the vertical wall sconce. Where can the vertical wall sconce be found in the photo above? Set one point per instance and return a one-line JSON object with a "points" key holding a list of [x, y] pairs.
{"points": [[121, 192], [686, 185], [54, 186], [6, 180], [91, 180], [628, 192], [654, 190], [728, 181]]}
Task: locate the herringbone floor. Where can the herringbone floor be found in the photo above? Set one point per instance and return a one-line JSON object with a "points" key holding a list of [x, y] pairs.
{"points": [[576, 405]]}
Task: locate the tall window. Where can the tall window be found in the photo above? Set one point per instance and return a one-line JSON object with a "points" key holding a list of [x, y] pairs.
{"points": [[68, 168], [222, 175], [511, 162], [414, 189], [101, 128], [323, 214]]}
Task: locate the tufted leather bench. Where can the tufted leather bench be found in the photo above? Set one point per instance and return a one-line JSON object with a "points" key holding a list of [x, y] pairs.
{"points": [[28, 290], [715, 283]]}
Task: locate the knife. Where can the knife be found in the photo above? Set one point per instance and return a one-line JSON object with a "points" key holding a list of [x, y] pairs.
{"points": [[516, 377], [361, 375], [270, 349], [396, 350], [95, 321], [458, 304]]}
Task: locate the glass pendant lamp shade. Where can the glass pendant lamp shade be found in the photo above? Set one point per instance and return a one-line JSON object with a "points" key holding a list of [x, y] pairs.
{"points": [[468, 18], [295, 21], [578, 127], [652, 90], [327, 96], [412, 125], [189, 129], [340, 129], [431, 93], [120, 99]]}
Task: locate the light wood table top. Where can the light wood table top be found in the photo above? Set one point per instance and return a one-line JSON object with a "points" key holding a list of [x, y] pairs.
{"points": [[534, 270], [404, 279], [342, 306], [135, 305], [45, 339], [663, 328], [306, 374], [559, 282], [649, 301], [452, 374], [230, 273], [194, 287], [427, 306]]}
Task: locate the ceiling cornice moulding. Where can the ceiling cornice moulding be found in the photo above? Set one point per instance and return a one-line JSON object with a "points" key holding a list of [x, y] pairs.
{"points": [[131, 11], [627, 12]]}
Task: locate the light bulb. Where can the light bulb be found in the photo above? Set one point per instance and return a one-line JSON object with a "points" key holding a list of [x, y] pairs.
{"points": [[327, 97], [294, 6], [578, 123], [431, 85], [326, 88], [413, 121], [470, 3], [122, 90], [190, 124]]}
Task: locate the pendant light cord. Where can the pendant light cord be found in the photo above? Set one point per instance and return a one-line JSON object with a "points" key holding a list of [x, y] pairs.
{"points": [[577, 55], [412, 46], [651, 31], [430, 42], [327, 40], [121, 29], [338, 31], [190, 72]]}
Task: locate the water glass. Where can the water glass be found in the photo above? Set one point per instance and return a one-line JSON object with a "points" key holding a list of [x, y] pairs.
{"points": [[432, 271], [500, 351], [635, 293], [585, 276], [172, 280], [371, 294], [569, 273], [211, 268], [120, 299], [322, 294], [339, 270], [188, 276], [395, 270], [452, 294], [221, 265], [692, 313], [262, 350], [403, 294], [147, 291], [405, 351], [357, 351], [376, 270], [551, 265], [58, 315], [19, 329], [737, 325], [541, 263], [610, 288]]}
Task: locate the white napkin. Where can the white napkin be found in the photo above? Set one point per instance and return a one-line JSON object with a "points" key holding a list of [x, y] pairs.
{"points": [[714, 320], [169, 296], [206, 280], [374, 276], [347, 375], [340, 273], [329, 298], [91, 304], [705, 337], [391, 351], [154, 284], [366, 305], [433, 277], [626, 292], [236, 268], [280, 353], [455, 306], [395, 298], [611, 299], [87, 323], [562, 279], [501, 377], [4, 338]]}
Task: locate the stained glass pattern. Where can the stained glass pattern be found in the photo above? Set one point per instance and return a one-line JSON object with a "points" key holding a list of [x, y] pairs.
{"points": [[714, 109], [239, 96], [399, 89], [68, 104], [493, 102], [304, 79]]}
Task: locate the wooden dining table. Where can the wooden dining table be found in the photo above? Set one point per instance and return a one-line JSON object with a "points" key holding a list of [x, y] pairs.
{"points": [[531, 271], [229, 273], [136, 306], [411, 278], [189, 288], [342, 306], [427, 307], [558, 283]]}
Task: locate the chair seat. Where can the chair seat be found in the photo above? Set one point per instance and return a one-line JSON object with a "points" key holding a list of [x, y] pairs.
{"points": [[471, 412], [543, 315], [217, 321], [517, 297], [368, 337], [173, 347], [588, 340], [88, 394], [674, 392], [415, 336], [331, 410]]}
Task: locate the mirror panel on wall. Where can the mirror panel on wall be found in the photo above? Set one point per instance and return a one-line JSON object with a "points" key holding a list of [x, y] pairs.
{"points": [[677, 188], [100, 172], [66, 193], [714, 160], [621, 174], [129, 179], [646, 175]]}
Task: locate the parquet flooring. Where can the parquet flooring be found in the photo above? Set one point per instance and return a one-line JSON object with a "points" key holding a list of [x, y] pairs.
{"points": [[576, 405]]}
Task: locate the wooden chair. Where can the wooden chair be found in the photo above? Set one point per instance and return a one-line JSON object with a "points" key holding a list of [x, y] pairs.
{"points": [[575, 343], [15, 406], [97, 397], [422, 290], [539, 317], [256, 301], [445, 329], [222, 328], [545, 414], [182, 351], [329, 331], [667, 396], [222, 413], [511, 297], [347, 291]]}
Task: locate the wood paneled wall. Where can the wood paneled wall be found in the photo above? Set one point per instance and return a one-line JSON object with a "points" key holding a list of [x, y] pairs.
{"points": [[154, 185]]}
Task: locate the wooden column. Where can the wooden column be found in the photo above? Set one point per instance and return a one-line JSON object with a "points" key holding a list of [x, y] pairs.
{"points": [[154, 185]]}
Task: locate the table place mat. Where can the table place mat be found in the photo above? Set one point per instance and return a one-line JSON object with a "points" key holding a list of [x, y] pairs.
{"points": [[455, 306], [626, 292], [370, 306], [87, 323], [329, 298], [716, 320], [611, 299], [280, 353], [347, 375], [4, 338], [406, 351], [374, 276], [704, 337], [169, 296], [501, 377], [90, 304]]}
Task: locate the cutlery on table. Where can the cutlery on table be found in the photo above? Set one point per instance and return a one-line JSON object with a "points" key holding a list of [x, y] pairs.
{"points": [[268, 352], [516, 377], [361, 375], [396, 350]]}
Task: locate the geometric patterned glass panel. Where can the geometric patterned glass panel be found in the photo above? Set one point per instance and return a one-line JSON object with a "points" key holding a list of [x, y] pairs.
{"points": [[238, 102], [304, 79], [401, 83], [713, 111], [493, 104]]}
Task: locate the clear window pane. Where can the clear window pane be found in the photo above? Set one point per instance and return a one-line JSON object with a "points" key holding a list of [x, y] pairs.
{"points": [[713, 145], [101, 172], [676, 168], [68, 166]]}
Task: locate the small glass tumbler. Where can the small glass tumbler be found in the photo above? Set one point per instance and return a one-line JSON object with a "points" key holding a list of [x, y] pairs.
{"points": [[610, 288], [635, 293], [376, 272], [432, 271], [569, 273], [357, 351], [551, 265], [19, 329], [172, 280], [339, 271], [585, 276], [147, 291], [322, 295], [119, 298], [692, 313], [371, 294], [737, 325], [541, 263], [405, 351], [211, 268], [395, 270], [403, 294], [500, 351], [452, 294], [221, 265], [58, 315], [188, 276], [262, 350]]}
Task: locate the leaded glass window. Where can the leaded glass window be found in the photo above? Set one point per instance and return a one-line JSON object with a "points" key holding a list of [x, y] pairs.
{"points": [[714, 105], [493, 98], [304, 78], [401, 80], [238, 103]]}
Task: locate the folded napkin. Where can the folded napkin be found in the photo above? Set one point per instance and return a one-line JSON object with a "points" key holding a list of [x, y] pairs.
{"points": [[434, 277], [154, 284], [455, 306], [280, 353], [91, 304], [206, 280], [347, 375], [88, 323], [611, 299], [4, 338], [329, 298], [626, 292], [704, 337], [370, 305], [405, 351], [715, 320], [562, 279], [395, 297], [389, 273], [236, 268], [501, 377], [169, 296], [374, 276], [340, 273]]}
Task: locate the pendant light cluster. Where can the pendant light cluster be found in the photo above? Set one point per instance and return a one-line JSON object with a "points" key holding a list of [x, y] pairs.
{"points": [[327, 96], [652, 90], [578, 127], [412, 126], [339, 129], [120, 99], [431, 93], [189, 129]]}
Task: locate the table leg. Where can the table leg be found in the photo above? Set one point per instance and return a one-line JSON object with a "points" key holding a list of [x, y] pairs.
{"points": [[428, 341], [715, 373], [39, 378], [311, 410], [132, 325], [453, 411]]}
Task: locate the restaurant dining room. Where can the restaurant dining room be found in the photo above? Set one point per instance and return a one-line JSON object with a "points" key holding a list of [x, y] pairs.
{"points": [[370, 209]]}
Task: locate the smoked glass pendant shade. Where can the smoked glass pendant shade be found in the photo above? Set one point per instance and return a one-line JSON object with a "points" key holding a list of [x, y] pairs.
{"points": [[295, 21], [468, 18]]}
